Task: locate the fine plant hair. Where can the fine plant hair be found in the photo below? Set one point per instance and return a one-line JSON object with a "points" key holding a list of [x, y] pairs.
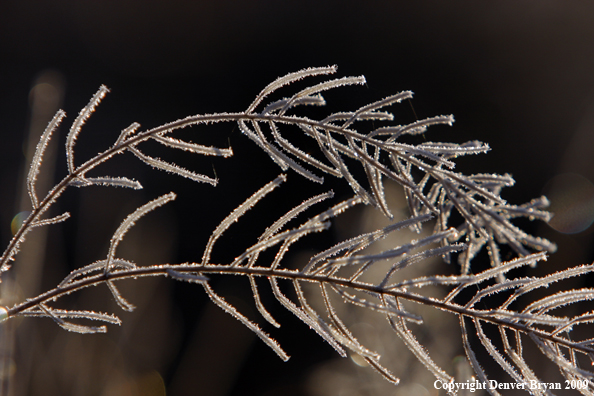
{"points": [[365, 150]]}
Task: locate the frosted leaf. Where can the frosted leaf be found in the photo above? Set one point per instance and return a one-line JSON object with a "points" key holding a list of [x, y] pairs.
{"points": [[386, 309], [84, 114], [396, 252], [114, 182], [187, 277], [126, 133], [293, 213], [192, 147], [230, 309], [261, 141], [259, 305], [292, 235], [416, 348], [368, 110], [122, 302], [314, 89], [355, 116], [62, 313], [237, 213], [96, 266], [314, 323], [560, 299], [287, 146], [315, 100], [129, 222], [76, 328], [495, 353], [416, 258], [53, 220], [472, 357], [38, 156], [172, 168], [288, 79], [546, 281], [356, 244]]}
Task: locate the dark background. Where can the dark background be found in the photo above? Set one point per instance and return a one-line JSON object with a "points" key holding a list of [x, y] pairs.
{"points": [[518, 75]]}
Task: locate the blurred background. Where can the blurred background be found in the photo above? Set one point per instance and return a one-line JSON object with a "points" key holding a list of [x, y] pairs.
{"points": [[518, 75]]}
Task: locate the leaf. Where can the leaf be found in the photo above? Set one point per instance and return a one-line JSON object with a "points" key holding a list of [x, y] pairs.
{"points": [[82, 117], [76, 328], [172, 168], [38, 156], [192, 147], [238, 212], [129, 222]]}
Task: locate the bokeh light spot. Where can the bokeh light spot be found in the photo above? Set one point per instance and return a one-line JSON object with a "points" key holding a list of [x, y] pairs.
{"points": [[17, 221], [572, 203]]}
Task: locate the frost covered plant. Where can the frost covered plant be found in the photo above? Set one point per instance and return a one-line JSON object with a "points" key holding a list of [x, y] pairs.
{"points": [[467, 214]]}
